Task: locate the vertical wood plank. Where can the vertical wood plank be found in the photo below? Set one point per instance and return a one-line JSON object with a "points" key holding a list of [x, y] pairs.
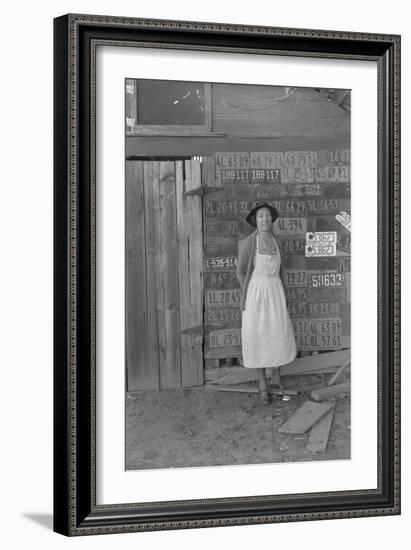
{"points": [[168, 305], [138, 376], [195, 374], [190, 263], [183, 269], [208, 175], [152, 215]]}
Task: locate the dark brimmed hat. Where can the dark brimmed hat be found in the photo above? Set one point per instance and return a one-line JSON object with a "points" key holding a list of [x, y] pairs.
{"points": [[252, 215]]}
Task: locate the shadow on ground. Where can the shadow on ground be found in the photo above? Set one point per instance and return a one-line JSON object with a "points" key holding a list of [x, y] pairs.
{"points": [[45, 520]]}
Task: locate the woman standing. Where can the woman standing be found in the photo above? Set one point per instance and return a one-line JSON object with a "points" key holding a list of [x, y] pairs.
{"points": [[267, 334]]}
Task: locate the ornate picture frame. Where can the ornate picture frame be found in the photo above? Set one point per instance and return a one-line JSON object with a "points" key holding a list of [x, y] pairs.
{"points": [[76, 41]]}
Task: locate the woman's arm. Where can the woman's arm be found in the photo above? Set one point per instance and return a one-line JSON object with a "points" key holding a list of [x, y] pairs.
{"points": [[242, 262], [282, 273]]}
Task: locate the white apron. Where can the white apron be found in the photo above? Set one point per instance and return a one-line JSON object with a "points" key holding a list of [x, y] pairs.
{"points": [[267, 335]]}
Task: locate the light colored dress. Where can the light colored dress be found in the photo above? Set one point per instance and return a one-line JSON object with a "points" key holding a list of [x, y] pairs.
{"points": [[266, 333]]}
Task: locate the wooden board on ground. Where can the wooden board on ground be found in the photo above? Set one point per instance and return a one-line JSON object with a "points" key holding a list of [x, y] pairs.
{"points": [[330, 391], [315, 362], [305, 417], [339, 372], [319, 434], [248, 389]]}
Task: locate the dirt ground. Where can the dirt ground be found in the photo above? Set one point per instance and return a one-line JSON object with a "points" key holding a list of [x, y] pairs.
{"points": [[201, 427]]}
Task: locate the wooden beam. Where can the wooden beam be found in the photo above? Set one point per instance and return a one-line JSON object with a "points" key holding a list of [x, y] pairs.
{"points": [[248, 389], [305, 417], [319, 434], [237, 389], [237, 375], [315, 362], [339, 372], [330, 391]]}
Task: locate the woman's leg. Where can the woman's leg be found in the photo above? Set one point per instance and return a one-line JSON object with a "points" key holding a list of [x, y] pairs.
{"points": [[262, 380], [262, 384], [275, 377]]}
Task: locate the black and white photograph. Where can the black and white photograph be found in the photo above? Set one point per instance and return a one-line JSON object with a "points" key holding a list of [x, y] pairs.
{"points": [[196, 355], [237, 274]]}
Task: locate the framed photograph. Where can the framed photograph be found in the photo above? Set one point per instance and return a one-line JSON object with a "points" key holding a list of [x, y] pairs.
{"points": [[225, 352]]}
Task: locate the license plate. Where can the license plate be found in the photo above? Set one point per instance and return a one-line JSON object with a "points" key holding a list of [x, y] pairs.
{"points": [[294, 206], [321, 237], [227, 207], [267, 160], [325, 341], [222, 338], [320, 250], [223, 315], [300, 159], [325, 206], [330, 157], [293, 246], [220, 279], [290, 226], [345, 220], [221, 228], [308, 309], [321, 280], [220, 263], [317, 326], [296, 293], [296, 309], [295, 278], [338, 174], [235, 175], [265, 175], [232, 160], [323, 309], [297, 175], [228, 297]]}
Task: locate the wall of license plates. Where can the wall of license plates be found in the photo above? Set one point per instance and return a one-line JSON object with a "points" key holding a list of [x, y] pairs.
{"points": [[311, 191]]}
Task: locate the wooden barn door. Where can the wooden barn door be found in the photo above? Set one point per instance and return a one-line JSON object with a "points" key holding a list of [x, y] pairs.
{"points": [[164, 271]]}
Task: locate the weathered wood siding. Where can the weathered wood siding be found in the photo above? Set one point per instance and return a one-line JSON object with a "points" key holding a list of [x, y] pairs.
{"points": [[164, 297], [190, 272], [296, 142], [308, 188], [139, 373], [275, 111]]}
